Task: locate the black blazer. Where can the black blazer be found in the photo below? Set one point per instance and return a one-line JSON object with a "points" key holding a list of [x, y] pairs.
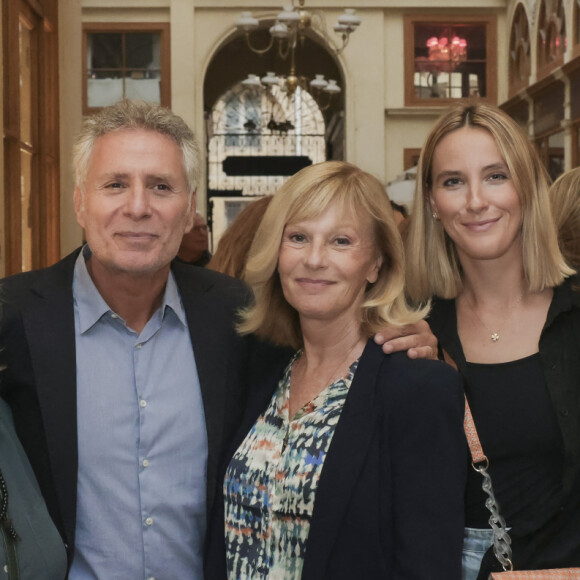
{"points": [[37, 353], [390, 498]]}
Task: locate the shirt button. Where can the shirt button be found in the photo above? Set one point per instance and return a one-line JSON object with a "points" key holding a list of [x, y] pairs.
{"points": [[114, 316], [140, 345], [142, 403], [564, 412], [149, 521], [145, 463]]}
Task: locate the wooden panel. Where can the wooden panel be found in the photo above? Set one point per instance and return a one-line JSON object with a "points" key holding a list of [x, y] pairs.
{"points": [[31, 138]]}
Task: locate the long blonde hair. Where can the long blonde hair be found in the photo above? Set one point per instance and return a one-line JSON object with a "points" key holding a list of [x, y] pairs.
{"points": [[433, 267]]}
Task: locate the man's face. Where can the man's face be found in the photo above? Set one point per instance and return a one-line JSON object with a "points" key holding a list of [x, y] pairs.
{"points": [[136, 206], [196, 241]]}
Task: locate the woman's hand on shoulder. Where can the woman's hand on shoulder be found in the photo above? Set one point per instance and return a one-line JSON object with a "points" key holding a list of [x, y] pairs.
{"points": [[417, 339]]}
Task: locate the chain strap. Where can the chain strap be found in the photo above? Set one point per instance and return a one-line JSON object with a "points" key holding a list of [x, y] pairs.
{"points": [[501, 539]]}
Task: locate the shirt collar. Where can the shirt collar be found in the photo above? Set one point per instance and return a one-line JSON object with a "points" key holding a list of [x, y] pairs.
{"points": [[91, 306]]}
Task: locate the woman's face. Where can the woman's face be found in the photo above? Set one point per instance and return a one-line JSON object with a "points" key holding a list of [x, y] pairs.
{"points": [[474, 196], [325, 264]]}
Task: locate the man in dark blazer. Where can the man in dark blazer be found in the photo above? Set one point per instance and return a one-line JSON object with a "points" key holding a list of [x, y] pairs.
{"points": [[136, 167]]}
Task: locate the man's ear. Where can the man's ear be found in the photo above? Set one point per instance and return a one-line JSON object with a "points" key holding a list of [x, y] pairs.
{"points": [[192, 209], [79, 206]]}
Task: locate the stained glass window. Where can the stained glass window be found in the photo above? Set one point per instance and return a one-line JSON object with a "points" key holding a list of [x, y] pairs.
{"points": [[268, 124]]}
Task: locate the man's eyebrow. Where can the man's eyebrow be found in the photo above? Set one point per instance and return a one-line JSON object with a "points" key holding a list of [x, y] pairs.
{"points": [[159, 177], [113, 175], [147, 177]]}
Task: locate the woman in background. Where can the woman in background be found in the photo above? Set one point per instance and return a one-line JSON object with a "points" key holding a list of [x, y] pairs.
{"points": [[565, 202], [234, 245], [350, 463], [482, 243]]}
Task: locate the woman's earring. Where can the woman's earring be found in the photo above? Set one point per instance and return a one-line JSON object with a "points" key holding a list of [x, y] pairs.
{"points": [[435, 216]]}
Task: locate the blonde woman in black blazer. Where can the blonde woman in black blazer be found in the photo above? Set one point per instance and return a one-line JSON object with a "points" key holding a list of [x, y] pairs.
{"points": [[350, 463]]}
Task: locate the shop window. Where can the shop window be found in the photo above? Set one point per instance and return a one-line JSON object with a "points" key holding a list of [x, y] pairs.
{"points": [[549, 108], [519, 53], [449, 58], [549, 135], [551, 36], [125, 61], [520, 113], [551, 149]]}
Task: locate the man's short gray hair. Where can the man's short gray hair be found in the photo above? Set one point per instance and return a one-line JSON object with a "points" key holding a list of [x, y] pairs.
{"points": [[127, 114]]}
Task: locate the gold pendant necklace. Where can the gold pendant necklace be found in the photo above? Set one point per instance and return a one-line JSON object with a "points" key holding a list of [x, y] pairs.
{"points": [[495, 334]]}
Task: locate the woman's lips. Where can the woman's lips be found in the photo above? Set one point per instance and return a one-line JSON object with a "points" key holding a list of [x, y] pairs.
{"points": [[481, 226], [313, 282]]}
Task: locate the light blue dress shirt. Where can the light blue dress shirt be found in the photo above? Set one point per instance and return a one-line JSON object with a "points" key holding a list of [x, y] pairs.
{"points": [[142, 442]]}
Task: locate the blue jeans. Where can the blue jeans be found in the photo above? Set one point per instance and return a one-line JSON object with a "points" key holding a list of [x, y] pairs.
{"points": [[476, 542]]}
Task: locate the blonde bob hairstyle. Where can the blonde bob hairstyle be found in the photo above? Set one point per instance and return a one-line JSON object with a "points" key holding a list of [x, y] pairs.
{"points": [[433, 267], [565, 201], [304, 196]]}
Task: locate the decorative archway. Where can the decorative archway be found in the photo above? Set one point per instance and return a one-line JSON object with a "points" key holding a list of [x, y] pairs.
{"points": [[256, 136]]}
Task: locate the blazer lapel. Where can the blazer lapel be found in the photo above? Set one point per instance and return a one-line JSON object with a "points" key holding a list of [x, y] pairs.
{"points": [[344, 462], [49, 327], [210, 327]]}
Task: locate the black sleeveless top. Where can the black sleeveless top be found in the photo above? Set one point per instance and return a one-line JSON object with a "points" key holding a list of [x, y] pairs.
{"points": [[519, 433]]}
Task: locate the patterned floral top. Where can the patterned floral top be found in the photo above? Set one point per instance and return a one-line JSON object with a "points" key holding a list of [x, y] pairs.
{"points": [[270, 484]]}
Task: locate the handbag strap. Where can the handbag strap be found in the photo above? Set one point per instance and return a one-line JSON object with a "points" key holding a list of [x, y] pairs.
{"points": [[479, 461]]}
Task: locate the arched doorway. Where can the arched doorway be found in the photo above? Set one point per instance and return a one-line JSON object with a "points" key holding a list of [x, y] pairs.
{"points": [[258, 136]]}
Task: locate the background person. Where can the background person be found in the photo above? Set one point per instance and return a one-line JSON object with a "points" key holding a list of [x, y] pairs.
{"points": [[355, 463], [232, 252], [194, 244], [400, 213], [480, 241], [565, 203]]}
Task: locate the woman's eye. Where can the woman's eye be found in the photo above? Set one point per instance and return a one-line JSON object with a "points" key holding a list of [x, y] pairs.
{"points": [[297, 238], [342, 241], [497, 177], [451, 182]]}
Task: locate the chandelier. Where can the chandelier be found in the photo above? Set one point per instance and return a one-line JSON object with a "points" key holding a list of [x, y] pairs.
{"points": [[445, 56], [289, 32]]}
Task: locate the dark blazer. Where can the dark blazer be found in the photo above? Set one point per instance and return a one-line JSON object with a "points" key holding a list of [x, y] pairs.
{"points": [[389, 503], [37, 353]]}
